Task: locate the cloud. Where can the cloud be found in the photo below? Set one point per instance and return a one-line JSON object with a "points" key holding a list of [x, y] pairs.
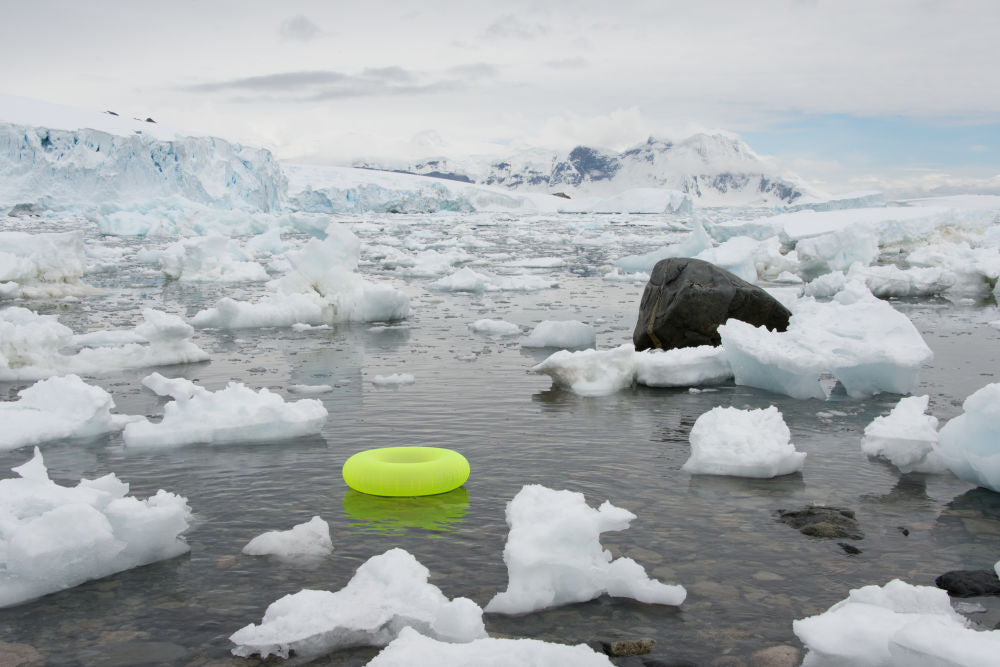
{"points": [[568, 63], [299, 29], [509, 26], [318, 85]]}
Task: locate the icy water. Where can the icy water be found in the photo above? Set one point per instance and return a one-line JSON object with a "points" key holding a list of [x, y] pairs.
{"points": [[748, 576]]}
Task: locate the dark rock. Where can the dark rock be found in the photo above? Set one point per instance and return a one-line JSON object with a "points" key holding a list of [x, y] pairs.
{"points": [[849, 549], [826, 522], [563, 195], [686, 300], [627, 647], [969, 583]]}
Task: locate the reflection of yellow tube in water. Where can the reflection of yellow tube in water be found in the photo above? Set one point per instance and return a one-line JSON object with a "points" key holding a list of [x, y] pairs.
{"points": [[386, 514]]}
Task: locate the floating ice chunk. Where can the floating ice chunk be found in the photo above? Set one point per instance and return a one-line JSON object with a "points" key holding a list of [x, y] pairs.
{"points": [[616, 276], [889, 280], [742, 443], [322, 287], [495, 328], [305, 541], [387, 593], [35, 346], [969, 444], [737, 255], [682, 367], [591, 372], [554, 555], [212, 258], [57, 408], [694, 243], [394, 379], [836, 251], [467, 280], [430, 262], [56, 537], [310, 388], [43, 265], [895, 624], [538, 262], [862, 341], [561, 333], [972, 271], [234, 414], [412, 649], [906, 437]]}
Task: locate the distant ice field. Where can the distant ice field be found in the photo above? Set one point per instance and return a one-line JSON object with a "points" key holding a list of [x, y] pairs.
{"points": [[747, 576]]}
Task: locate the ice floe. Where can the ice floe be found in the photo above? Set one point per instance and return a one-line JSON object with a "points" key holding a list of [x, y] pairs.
{"points": [[569, 334], [43, 265], [969, 444], [305, 541], [236, 413], [54, 537], [905, 437], [742, 443], [387, 593], [554, 555]]}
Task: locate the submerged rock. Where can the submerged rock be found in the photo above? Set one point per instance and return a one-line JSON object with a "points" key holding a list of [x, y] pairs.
{"points": [[623, 648], [686, 300], [825, 522], [969, 583]]}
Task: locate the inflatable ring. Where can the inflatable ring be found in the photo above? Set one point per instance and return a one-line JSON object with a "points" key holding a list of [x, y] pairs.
{"points": [[406, 471]]}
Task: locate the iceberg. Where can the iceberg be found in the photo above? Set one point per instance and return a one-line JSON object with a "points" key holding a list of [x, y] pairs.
{"points": [[43, 265], [742, 443], [388, 593], [58, 408], [894, 624], [305, 541], [212, 258], [234, 414], [906, 437], [969, 444], [561, 333], [554, 555], [56, 537], [488, 327], [412, 649]]}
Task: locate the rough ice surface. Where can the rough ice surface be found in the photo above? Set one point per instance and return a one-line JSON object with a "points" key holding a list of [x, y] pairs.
{"points": [[969, 444], [894, 624], [322, 287], [55, 537], [43, 265], [234, 414], [742, 443], [569, 334], [212, 258], [554, 555], [388, 592], [906, 437], [57, 408], [488, 327], [412, 649], [602, 372], [304, 541], [867, 345], [469, 280], [33, 346]]}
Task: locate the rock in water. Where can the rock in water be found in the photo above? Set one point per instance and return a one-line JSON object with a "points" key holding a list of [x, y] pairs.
{"points": [[687, 299], [969, 583]]}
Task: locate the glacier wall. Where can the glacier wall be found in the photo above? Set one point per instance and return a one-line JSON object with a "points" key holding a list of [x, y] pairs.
{"points": [[89, 170]]}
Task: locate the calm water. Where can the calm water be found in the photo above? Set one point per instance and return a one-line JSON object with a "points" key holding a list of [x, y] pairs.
{"points": [[747, 575]]}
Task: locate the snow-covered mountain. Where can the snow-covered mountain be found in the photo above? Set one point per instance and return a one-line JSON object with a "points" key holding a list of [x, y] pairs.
{"points": [[714, 169]]}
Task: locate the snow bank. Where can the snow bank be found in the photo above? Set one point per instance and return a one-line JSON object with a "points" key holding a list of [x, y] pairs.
{"points": [[322, 287], [969, 444], [234, 414], [412, 649], [895, 624], [554, 555], [305, 541], [563, 333], [55, 537], [43, 265], [212, 258], [602, 372], [742, 443], [35, 346], [468, 280], [387, 593], [489, 327], [862, 341], [58, 408], [906, 437]]}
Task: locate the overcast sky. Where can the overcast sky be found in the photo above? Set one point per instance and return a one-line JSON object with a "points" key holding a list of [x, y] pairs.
{"points": [[837, 90]]}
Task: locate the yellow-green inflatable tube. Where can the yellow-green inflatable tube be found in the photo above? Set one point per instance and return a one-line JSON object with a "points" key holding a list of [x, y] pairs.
{"points": [[406, 471]]}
